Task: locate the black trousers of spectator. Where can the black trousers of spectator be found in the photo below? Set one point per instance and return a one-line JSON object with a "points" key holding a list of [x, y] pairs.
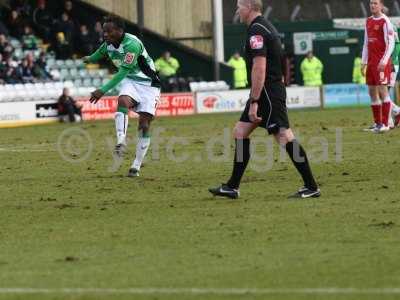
{"points": [[71, 110]]}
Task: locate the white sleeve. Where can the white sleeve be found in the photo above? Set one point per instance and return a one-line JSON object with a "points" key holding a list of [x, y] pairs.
{"points": [[365, 47], [396, 35], [389, 41]]}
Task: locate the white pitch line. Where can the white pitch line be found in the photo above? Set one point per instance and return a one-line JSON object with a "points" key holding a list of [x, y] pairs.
{"points": [[26, 150], [203, 291], [28, 145]]}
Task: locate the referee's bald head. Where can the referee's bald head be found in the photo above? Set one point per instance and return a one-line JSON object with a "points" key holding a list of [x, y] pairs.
{"points": [[255, 5]]}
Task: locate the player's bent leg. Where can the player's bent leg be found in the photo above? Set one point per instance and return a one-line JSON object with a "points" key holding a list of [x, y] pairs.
{"points": [[241, 134], [143, 142], [297, 154]]}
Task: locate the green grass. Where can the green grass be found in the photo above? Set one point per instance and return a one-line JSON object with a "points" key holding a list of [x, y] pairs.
{"points": [[78, 225]]}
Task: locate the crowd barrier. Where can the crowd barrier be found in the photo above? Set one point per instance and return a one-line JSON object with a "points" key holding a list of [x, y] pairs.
{"points": [[178, 104], [342, 95], [22, 113]]}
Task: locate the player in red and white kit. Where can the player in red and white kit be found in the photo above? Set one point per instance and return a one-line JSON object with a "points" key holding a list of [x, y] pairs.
{"points": [[376, 63]]}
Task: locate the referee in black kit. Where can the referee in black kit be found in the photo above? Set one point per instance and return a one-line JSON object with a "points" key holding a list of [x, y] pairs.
{"points": [[266, 106]]}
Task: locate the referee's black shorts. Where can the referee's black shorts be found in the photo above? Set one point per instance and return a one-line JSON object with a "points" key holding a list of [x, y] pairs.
{"points": [[271, 108]]}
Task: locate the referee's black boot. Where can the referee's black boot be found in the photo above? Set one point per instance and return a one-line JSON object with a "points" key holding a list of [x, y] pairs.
{"points": [[224, 191], [306, 193]]}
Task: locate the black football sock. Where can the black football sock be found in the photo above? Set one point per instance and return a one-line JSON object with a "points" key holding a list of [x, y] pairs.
{"points": [[300, 161], [242, 156]]}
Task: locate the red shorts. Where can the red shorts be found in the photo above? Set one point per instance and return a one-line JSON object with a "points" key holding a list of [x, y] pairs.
{"points": [[374, 77]]}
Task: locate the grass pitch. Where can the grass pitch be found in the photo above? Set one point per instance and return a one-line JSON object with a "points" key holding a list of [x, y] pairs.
{"points": [[69, 219]]}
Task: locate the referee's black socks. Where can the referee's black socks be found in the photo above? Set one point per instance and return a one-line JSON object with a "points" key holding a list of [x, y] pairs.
{"points": [[242, 156], [300, 161]]}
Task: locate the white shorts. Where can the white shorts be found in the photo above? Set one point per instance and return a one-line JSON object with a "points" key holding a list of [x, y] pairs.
{"points": [[146, 96]]}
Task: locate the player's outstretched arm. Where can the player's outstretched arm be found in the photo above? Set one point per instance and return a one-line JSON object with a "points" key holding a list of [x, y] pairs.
{"points": [[117, 78], [96, 56], [130, 61]]}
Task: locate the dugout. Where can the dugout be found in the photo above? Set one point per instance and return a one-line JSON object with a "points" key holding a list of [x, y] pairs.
{"points": [[336, 48]]}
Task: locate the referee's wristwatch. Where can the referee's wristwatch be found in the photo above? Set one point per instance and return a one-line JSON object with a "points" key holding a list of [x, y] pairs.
{"points": [[253, 100]]}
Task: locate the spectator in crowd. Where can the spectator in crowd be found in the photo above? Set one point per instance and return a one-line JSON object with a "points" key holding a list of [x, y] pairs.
{"points": [[6, 49], [29, 40], [167, 68], [15, 24], [3, 69], [43, 21], [41, 64], [42, 60], [31, 59], [3, 28], [39, 72], [311, 69], [2, 62], [23, 7], [3, 43], [71, 12], [98, 34], [167, 65], [358, 76], [12, 75], [28, 70], [67, 106], [62, 47], [85, 43], [240, 73], [66, 26]]}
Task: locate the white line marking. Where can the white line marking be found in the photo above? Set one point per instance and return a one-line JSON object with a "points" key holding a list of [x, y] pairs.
{"points": [[45, 147], [203, 291], [28, 145], [25, 150]]}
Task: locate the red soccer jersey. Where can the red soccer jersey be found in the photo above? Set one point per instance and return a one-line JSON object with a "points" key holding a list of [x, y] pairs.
{"points": [[378, 41]]}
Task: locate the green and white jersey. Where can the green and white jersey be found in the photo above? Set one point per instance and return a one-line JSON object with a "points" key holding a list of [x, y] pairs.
{"points": [[127, 56], [131, 59]]}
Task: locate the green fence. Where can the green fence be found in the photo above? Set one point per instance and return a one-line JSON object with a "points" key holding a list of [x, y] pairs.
{"points": [[335, 48]]}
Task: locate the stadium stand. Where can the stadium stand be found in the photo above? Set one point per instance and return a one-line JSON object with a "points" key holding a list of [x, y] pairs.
{"points": [[55, 44], [28, 65]]}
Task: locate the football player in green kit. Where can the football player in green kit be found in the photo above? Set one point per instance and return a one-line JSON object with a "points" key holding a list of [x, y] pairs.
{"points": [[140, 86]]}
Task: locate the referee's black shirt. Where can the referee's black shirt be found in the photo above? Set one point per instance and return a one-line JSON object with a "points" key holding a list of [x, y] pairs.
{"points": [[263, 40]]}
